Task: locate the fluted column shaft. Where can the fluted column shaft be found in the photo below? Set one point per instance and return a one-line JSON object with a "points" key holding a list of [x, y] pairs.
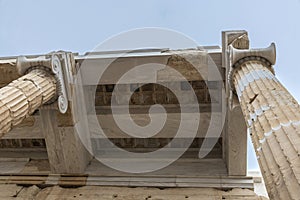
{"points": [[273, 119], [23, 96]]}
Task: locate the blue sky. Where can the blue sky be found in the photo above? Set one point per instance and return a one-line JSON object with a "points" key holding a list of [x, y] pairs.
{"points": [[35, 27]]}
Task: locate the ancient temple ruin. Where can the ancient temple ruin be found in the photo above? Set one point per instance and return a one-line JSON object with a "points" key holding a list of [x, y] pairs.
{"points": [[43, 132]]}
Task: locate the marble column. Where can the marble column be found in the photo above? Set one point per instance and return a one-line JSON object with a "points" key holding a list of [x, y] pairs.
{"points": [[23, 96], [273, 120]]}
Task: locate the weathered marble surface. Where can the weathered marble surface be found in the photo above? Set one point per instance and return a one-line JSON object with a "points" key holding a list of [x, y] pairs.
{"points": [[98, 192]]}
